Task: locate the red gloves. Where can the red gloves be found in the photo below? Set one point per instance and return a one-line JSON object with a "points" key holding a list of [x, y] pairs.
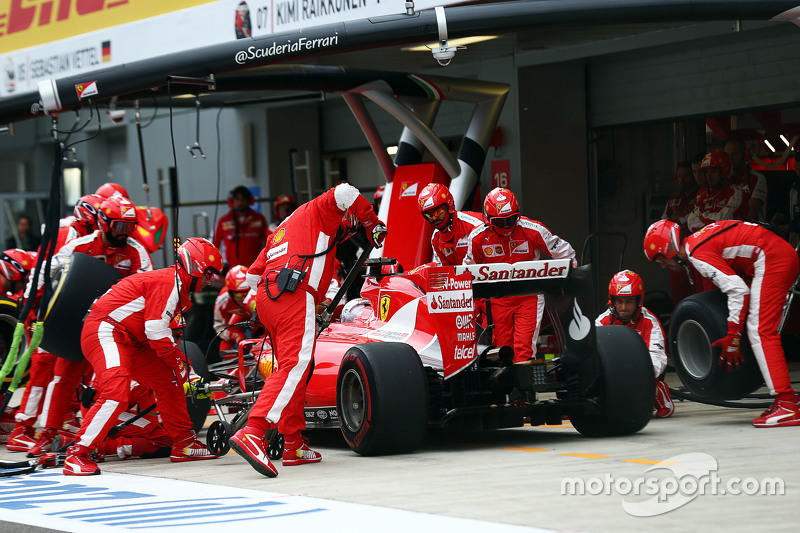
{"points": [[730, 355], [377, 233]]}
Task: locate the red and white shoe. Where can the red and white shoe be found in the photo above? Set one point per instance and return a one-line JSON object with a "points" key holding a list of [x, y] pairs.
{"points": [[190, 449], [299, 455], [251, 447], [665, 407], [21, 438], [783, 413], [44, 443], [79, 462]]}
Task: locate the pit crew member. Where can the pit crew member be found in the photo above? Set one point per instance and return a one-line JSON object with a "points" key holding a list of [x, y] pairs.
{"points": [[137, 311], [451, 228], [719, 200], [242, 231], [752, 183], [507, 237], [283, 206], [231, 308], [755, 268], [112, 244], [625, 294], [291, 276]]}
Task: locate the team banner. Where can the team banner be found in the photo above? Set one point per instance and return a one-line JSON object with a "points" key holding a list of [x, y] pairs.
{"points": [[52, 39], [452, 308]]}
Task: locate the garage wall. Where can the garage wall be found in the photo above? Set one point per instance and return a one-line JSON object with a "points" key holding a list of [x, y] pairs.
{"points": [[553, 156], [700, 78]]}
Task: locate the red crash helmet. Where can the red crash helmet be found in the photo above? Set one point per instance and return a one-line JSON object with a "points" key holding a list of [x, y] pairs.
{"points": [[118, 214], [107, 190], [378, 195], [434, 198], [87, 206], [15, 264], [501, 210], [717, 158], [199, 257], [283, 199], [236, 279], [663, 239], [626, 283]]}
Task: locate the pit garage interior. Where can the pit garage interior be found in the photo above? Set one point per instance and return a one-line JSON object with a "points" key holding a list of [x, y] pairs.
{"points": [[596, 119]]}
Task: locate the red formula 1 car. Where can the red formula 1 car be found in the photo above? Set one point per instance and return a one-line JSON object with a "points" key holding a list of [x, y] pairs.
{"points": [[409, 354]]}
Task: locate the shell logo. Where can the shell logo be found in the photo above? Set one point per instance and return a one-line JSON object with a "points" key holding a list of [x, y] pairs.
{"points": [[278, 236]]}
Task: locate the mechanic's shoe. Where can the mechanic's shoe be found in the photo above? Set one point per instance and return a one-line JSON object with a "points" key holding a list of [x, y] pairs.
{"points": [[21, 438], [783, 413], [44, 443], [665, 407], [251, 447], [298, 453], [190, 449], [79, 463]]}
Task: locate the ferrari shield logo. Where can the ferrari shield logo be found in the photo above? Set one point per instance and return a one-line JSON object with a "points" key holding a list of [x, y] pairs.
{"points": [[383, 307]]}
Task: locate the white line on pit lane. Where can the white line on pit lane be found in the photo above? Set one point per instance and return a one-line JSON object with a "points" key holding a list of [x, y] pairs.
{"points": [[123, 502]]}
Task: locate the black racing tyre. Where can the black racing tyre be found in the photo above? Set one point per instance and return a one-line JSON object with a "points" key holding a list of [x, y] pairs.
{"points": [[82, 280], [199, 408], [382, 398], [625, 391], [697, 321], [8, 323], [218, 437]]}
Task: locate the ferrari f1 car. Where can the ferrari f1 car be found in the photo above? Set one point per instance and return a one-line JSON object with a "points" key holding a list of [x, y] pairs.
{"points": [[409, 355]]}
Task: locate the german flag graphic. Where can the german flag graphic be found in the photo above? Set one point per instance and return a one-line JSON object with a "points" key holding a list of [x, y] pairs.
{"points": [[106, 46]]}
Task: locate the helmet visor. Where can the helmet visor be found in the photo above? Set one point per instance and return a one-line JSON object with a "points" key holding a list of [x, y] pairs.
{"points": [[123, 227], [12, 269], [504, 222], [436, 213]]}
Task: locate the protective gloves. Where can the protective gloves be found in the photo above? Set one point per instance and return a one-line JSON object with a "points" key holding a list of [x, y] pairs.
{"points": [[196, 384], [730, 354], [377, 234]]}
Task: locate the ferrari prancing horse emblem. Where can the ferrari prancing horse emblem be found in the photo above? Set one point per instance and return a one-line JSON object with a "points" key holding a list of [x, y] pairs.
{"points": [[383, 307]]}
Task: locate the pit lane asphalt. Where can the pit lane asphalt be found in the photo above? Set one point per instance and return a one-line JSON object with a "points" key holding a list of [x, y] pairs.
{"points": [[515, 476]]}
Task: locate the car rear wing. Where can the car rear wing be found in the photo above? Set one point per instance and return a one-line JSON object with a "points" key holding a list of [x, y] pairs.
{"points": [[551, 276]]}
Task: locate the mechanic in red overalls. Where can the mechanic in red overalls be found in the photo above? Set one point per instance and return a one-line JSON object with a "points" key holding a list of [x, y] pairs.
{"points": [[508, 238], [42, 362], [719, 200], [112, 244], [755, 268], [677, 210], [283, 206], [752, 183], [242, 231], [451, 228], [304, 245], [625, 294], [230, 308], [137, 312]]}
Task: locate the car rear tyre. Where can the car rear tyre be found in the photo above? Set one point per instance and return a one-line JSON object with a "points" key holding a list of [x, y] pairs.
{"points": [[625, 391], [697, 321], [199, 408], [382, 398]]}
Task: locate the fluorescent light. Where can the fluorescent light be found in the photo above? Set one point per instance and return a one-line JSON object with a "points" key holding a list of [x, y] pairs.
{"points": [[769, 145], [391, 150], [463, 41], [784, 140]]}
